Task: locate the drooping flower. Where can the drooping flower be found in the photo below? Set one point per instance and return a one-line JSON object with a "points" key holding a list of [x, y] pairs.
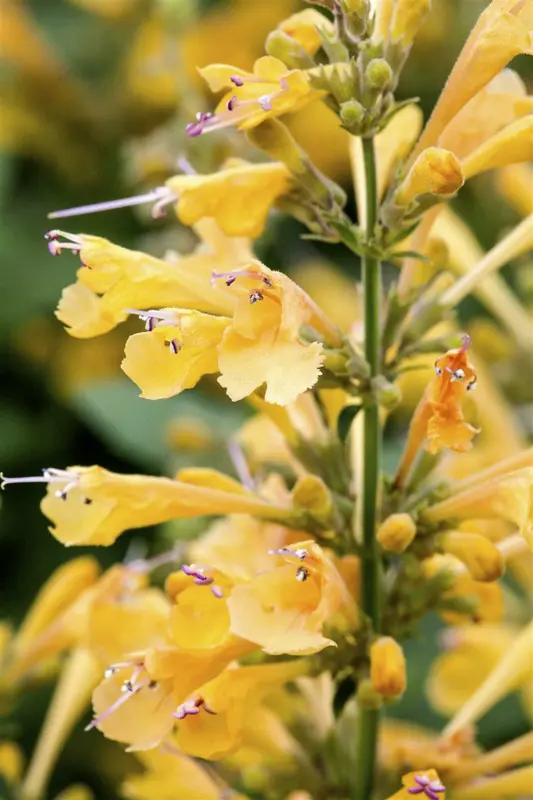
{"points": [[438, 420]]}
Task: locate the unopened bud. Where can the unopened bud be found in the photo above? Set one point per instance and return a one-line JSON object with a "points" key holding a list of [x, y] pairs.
{"points": [[351, 113], [438, 252], [396, 533], [304, 28], [387, 667], [312, 494], [280, 45], [435, 172], [479, 555], [388, 394], [378, 74]]}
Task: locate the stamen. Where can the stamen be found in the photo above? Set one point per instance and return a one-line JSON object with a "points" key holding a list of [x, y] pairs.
{"points": [[112, 708], [201, 579], [429, 788], [302, 574], [301, 553], [241, 465], [185, 166], [192, 708], [237, 80], [175, 346], [55, 248], [232, 102], [465, 343], [147, 565], [49, 475], [232, 276], [161, 196], [265, 101], [255, 297], [152, 317]]}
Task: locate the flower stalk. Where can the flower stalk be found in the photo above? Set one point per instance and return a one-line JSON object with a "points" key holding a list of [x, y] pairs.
{"points": [[370, 598]]}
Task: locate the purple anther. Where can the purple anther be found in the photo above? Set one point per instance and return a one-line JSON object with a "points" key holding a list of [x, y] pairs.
{"points": [[174, 346], [232, 102], [284, 85], [465, 342], [217, 591], [236, 80], [149, 326], [203, 580], [255, 297], [54, 248], [427, 787], [267, 282], [193, 129], [265, 101], [231, 280]]}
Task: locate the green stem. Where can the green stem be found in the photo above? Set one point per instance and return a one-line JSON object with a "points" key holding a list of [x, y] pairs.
{"points": [[371, 566]]}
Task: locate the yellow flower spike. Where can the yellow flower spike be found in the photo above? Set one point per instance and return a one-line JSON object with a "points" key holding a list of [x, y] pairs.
{"points": [[114, 279], [502, 32], [492, 291], [92, 505], [173, 357], [514, 668], [513, 144], [80, 675], [514, 183], [285, 609], [424, 783], [519, 241], [438, 420], [271, 90], [225, 703], [11, 762], [396, 533], [508, 786], [471, 653], [387, 667], [499, 104], [304, 27], [480, 556], [436, 172], [509, 497], [238, 197]]}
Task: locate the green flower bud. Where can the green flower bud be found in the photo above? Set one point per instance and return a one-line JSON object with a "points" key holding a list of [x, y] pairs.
{"points": [[378, 74], [351, 113], [280, 45]]}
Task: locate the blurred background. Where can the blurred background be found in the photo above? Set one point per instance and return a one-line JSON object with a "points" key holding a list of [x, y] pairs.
{"points": [[94, 98]]}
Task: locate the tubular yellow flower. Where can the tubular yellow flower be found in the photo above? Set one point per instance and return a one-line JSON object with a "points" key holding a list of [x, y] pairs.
{"points": [[435, 172], [515, 752], [438, 417], [502, 32], [284, 610], [513, 669], [480, 556], [173, 357], [508, 786], [513, 144], [113, 280], [387, 667], [514, 183], [304, 27], [425, 783], [508, 497], [396, 533], [271, 90], [239, 196], [499, 104]]}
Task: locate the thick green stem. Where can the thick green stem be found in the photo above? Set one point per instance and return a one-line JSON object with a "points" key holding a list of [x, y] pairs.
{"points": [[371, 566]]}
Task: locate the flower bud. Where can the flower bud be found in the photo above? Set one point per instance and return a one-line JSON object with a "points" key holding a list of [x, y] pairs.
{"points": [[396, 533], [378, 74], [304, 28], [387, 667], [479, 555], [436, 172], [351, 113], [407, 19], [280, 45], [312, 494]]}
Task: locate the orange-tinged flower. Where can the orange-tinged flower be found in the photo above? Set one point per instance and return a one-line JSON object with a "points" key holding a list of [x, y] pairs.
{"points": [[502, 32], [424, 784], [438, 419], [284, 610], [508, 497], [174, 355], [239, 196], [271, 90], [113, 280]]}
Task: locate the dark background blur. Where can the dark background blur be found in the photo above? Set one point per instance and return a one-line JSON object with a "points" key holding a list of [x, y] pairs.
{"points": [[94, 96]]}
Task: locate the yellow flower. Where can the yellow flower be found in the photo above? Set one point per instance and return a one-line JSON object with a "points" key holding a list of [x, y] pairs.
{"points": [[512, 144], [501, 33], [436, 172], [239, 196], [487, 597], [387, 667], [438, 419], [398, 21], [508, 497], [514, 183], [508, 786], [500, 103], [480, 556], [514, 668], [285, 609], [424, 784], [114, 280], [174, 355], [396, 533], [271, 90], [304, 27]]}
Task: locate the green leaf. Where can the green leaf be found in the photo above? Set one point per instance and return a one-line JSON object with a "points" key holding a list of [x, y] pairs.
{"points": [[344, 422]]}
